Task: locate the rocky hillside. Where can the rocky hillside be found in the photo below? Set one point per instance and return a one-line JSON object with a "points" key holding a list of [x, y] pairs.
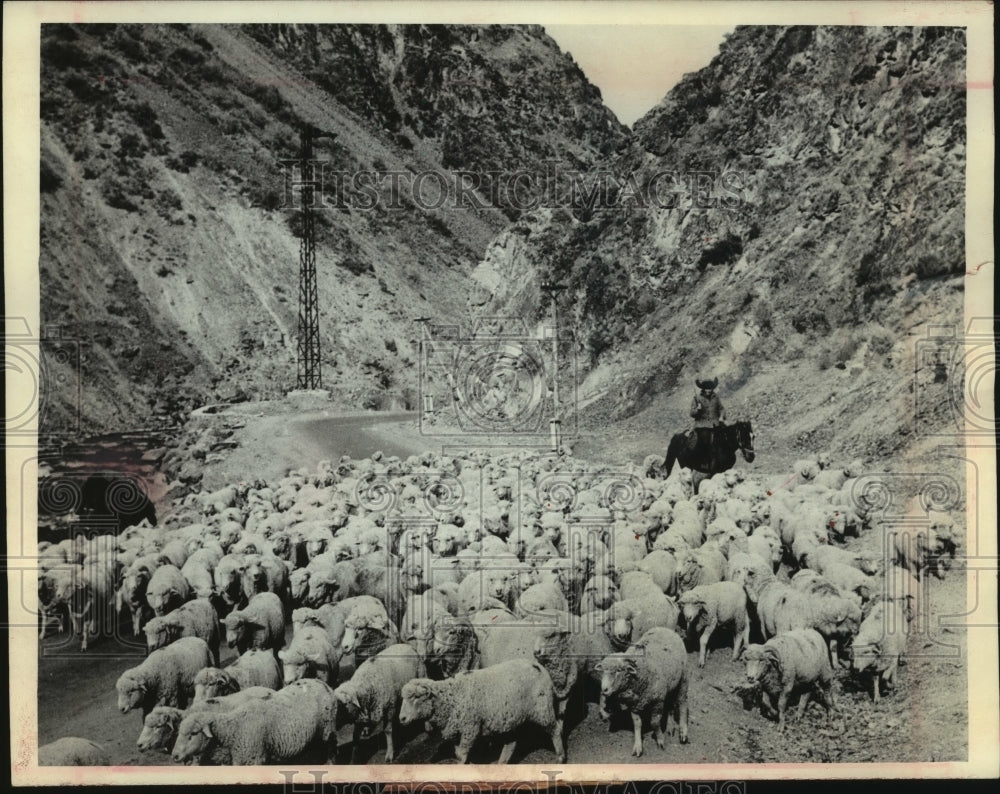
{"points": [[168, 256], [789, 218]]}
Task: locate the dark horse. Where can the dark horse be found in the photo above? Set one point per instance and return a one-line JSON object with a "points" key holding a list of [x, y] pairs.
{"points": [[721, 456]]}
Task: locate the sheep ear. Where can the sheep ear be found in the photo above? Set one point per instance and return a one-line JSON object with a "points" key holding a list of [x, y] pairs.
{"points": [[630, 663], [207, 730]]}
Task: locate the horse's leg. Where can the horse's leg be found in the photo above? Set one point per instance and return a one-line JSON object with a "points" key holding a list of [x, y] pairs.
{"points": [[696, 478], [670, 457]]}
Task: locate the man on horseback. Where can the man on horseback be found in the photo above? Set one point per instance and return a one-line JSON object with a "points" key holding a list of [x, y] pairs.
{"points": [[708, 413]]}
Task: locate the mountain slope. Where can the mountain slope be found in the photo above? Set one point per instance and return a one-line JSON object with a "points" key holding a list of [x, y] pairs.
{"points": [[169, 252], [785, 218]]}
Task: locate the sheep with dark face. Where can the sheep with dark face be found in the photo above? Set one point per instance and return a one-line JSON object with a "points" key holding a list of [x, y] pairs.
{"points": [[650, 678], [796, 661]]}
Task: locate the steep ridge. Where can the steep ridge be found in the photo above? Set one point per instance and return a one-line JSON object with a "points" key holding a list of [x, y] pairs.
{"points": [[790, 218], [169, 254]]}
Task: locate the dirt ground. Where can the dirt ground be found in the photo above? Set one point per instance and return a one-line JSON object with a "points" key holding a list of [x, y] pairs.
{"points": [[76, 694]]}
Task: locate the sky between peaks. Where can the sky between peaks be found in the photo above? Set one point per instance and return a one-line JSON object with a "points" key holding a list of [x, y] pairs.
{"points": [[635, 66]]}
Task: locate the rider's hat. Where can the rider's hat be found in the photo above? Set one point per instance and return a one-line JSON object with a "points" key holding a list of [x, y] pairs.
{"points": [[706, 383]]}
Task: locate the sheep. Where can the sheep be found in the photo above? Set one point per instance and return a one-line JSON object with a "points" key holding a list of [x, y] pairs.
{"points": [[368, 629], [264, 573], [651, 677], [821, 557], [542, 596], [198, 571], [86, 590], [662, 567], [569, 574], [632, 617], [899, 585], [310, 655], [421, 610], [260, 625], [451, 646], [879, 645], [582, 649], [765, 543], [703, 565], [295, 720], [770, 597], [920, 552], [849, 579], [159, 729], [132, 592], [496, 701], [496, 579], [73, 751], [165, 677], [229, 582], [255, 668], [600, 592], [196, 618], [167, 589], [329, 617], [796, 660], [707, 606], [372, 696]]}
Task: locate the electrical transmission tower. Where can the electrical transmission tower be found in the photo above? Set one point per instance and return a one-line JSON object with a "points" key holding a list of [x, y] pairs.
{"points": [[310, 375]]}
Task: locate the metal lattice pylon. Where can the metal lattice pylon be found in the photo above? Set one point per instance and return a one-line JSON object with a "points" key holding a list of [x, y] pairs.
{"points": [[310, 374]]}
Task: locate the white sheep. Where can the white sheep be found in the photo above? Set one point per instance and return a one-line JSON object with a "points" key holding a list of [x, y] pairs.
{"points": [[310, 655], [650, 678], [368, 629], [260, 625], [295, 720], [879, 645], [662, 567], [371, 698], [600, 592], [790, 662], [496, 701], [255, 668], [159, 729], [708, 606], [167, 589], [541, 596], [165, 677], [196, 618], [73, 751]]}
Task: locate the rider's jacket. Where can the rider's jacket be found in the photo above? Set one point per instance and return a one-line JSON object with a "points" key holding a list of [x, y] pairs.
{"points": [[707, 411]]}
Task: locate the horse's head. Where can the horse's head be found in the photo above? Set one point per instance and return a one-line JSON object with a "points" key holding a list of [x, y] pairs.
{"points": [[744, 440]]}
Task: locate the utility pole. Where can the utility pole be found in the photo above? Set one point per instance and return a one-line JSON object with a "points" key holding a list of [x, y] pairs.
{"points": [[309, 368], [428, 399], [554, 423]]}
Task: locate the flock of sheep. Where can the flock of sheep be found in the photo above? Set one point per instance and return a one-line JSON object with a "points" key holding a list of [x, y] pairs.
{"points": [[476, 594]]}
